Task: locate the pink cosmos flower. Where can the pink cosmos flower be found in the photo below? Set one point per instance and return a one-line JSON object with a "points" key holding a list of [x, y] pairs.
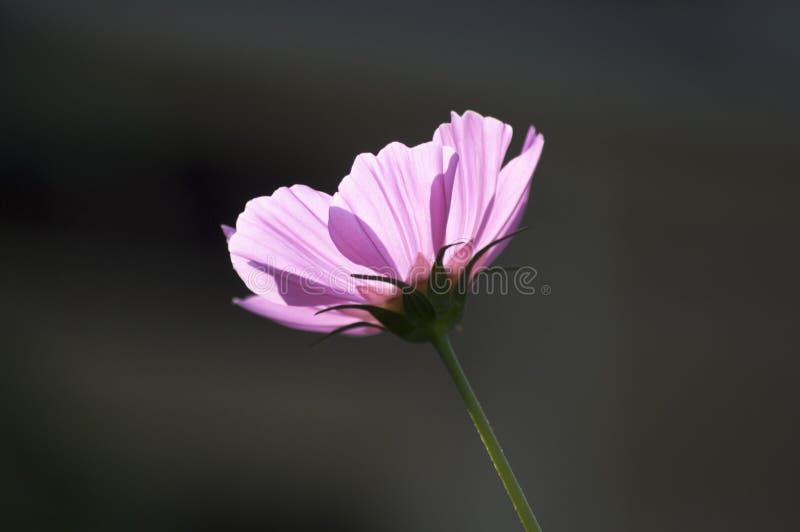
{"points": [[366, 258]]}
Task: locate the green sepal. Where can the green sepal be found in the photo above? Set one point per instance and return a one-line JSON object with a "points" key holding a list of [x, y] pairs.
{"points": [[439, 283], [416, 306], [463, 279], [393, 321], [380, 278], [345, 328], [443, 249]]}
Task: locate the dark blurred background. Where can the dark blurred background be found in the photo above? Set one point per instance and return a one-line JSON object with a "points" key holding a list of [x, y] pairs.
{"points": [[652, 389]]}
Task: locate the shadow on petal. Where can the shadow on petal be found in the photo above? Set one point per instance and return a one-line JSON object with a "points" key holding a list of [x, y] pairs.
{"points": [[350, 229]]}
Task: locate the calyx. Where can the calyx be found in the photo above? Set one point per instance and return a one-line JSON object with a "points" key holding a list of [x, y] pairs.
{"points": [[429, 309]]}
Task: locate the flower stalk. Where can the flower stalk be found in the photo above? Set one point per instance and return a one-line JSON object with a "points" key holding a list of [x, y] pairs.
{"points": [[490, 441]]}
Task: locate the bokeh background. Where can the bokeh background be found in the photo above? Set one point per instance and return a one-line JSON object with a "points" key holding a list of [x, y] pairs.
{"points": [[652, 389]]}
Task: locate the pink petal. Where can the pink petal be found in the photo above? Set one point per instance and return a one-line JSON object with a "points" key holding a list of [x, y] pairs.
{"points": [[513, 187], [393, 206], [481, 144], [228, 231], [460, 257], [304, 318], [282, 251], [419, 271]]}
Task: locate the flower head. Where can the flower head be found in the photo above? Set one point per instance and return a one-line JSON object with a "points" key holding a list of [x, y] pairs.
{"points": [[399, 242]]}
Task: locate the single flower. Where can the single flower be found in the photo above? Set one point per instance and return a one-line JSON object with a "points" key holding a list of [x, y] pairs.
{"points": [[396, 246]]}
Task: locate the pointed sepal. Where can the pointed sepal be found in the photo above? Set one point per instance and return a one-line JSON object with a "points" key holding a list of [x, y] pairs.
{"points": [[440, 285], [394, 322], [345, 328], [380, 278], [416, 306], [466, 273]]}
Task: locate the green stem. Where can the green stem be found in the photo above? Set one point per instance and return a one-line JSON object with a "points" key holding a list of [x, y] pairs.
{"points": [[442, 345]]}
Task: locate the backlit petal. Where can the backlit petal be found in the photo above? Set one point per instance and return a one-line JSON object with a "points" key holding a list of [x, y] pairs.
{"points": [[481, 144], [393, 206], [282, 251], [513, 188], [304, 318]]}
